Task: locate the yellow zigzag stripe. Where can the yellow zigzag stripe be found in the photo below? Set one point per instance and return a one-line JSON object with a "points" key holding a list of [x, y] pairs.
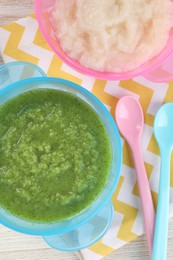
{"points": [[98, 90], [153, 147], [55, 68], [12, 49], [135, 191], [129, 213], [125, 232], [40, 41], [169, 98], [107, 99], [127, 155], [101, 249], [169, 94], [143, 91]]}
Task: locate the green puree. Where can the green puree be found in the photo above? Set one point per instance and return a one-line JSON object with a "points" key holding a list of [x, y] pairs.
{"points": [[55, 155]]}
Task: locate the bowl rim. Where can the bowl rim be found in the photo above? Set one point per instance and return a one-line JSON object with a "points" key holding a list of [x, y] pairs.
{"points": [[96, 74], [13, 64], [74, 86]]}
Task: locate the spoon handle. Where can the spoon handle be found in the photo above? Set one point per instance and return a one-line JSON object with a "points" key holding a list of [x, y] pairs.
{"points": [[161, 226], [145, 194]]}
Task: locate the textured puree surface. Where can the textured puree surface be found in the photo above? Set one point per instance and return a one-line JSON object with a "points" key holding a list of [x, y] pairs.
{"points": [[112, 35], [55, 155]]}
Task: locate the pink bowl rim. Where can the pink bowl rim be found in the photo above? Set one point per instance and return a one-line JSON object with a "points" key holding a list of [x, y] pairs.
{"points": [[92, 73]]}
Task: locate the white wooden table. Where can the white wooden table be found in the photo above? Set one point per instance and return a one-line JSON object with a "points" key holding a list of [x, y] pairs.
{"points": [[15, 246]]}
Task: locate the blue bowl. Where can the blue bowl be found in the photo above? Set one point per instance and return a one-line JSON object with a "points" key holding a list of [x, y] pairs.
{"points": [[91, 224], [86, 215]]}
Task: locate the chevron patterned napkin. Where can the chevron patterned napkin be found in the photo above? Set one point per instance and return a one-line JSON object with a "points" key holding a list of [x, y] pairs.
{"points": [[22, 40]]}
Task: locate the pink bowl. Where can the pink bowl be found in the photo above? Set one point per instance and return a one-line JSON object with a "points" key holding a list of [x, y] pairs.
{"points": [[43, 10]]}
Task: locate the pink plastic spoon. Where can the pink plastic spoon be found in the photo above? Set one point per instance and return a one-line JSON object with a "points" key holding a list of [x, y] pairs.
{"points": [[130, 121]]}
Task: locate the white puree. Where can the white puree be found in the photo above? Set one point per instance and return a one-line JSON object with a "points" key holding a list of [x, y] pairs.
{"points": [[112, 35]]}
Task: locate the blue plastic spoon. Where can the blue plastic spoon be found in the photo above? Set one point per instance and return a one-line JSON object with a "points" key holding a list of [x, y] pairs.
{"points": [[163, 130]]}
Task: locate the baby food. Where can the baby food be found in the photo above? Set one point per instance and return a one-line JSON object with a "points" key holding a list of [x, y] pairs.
{"points": [[55, 155], [112, 35]]}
